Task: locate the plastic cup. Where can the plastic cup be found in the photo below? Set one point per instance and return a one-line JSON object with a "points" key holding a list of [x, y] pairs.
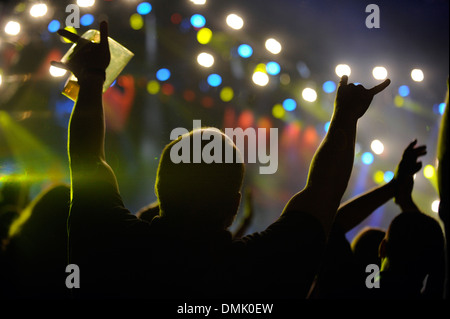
{"points": [[120, 56]]}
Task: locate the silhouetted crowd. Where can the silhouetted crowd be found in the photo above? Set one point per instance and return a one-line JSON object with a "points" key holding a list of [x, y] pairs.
{"points": [[80, 241]]}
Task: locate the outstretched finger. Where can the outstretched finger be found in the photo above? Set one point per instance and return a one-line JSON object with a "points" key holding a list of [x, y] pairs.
{"points": [[104, 33], [344, 80], [68, 35], [380, 87], [420, 151]]}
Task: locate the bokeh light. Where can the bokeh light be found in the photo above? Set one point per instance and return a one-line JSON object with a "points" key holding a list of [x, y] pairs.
{"points": [[245, 51], [388, 176], [226, 94], [136, 21], [377, 147], [367, 158], [214, 80], [441, 108], [198, 2], [435, 206], [329, 87], [273, 68], [54, 26], [417, 75], [153, 87], [403, 90], [429, 171], [260, 78], [273, 46], [342, 69], [198, 21], [204, 35], [163, 74], [278, 111], [309, 94], [326, 126], [234, 21], [87, 19], [12, 28], [289, 105], [38, 10], [56, 72], [144, 8], [378, 177], [205, 59], [85, 3], [379, 73]]}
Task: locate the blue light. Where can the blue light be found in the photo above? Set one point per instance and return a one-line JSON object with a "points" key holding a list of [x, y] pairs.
{"points": [[198, 21], [144, 8], [367, 158], [326, 126], [87, 19], [403, 90], [289, 104], [54, 26], [273, 68], [163, 74], [388, 175], [441, 108], [245, 50], [329, 87], [214, 80]]}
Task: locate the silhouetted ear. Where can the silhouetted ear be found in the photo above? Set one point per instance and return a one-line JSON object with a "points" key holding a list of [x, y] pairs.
{"points": [[382, 249]]}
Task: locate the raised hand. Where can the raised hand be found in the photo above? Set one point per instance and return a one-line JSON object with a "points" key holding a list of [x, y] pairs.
{"points": [[352, 101], [404, 175], [88, 57]]}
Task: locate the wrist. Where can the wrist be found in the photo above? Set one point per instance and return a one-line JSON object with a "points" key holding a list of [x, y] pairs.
{"points": [[91, 76]]}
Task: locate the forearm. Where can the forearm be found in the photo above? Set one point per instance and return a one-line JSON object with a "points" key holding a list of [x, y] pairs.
{"points": [[354, 211]]}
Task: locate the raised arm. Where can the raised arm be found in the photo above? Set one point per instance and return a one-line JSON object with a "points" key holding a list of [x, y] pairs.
{"points": [[332, 163], [87, 126], [354, 211]]}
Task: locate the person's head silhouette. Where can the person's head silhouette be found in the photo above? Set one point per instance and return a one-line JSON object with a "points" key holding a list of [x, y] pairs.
{"points": [[202, 191]]}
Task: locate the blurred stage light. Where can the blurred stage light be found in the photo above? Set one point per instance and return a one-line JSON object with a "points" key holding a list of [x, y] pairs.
{"points": [[403, 90], [417, 75], [309, 95], [56, 72], [136, 21], [204, 35], [176, 18], [378, 177], [289, 105], [226, 94], [388, 176], [329, 87], [367, 158], [54, 26], [428, 171], [205, 59], [260, 78], [278, 111], [377, 147], [144, 8], [342, 69], [273, 68], [38, 10], [435, 206], [379, 73], [12, 28], [163, 74], [87, 19], [234, 21], [441, 108], [285, 79], [273, 46], [326, 126], [198, 2], [245, 51], [198, 21], [399, 101], [153, 87], [85, 3], [1, 79], [214, 80]]}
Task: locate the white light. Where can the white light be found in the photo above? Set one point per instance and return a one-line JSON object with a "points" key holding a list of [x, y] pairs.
{"points": [[435, 206], [273, 46], [260, 78], [205, 59], [0, 79], [85, 3], [234, 21], [198, 2], [12, 28], [377, 147], [379, 73], [38, 10], [56, 72], [342, 69], [417, 75], [309, 95]]}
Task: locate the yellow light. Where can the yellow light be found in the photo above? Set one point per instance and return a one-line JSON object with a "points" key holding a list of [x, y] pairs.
{"points": [[342, 69], [429, 171], [260, 78], [136, 21], [309, 95], [377, 147], [261, 67], [71, 29], [273, 46], [85, 3], [204, 35], [205, 59], [56, 72], [1, 79], [378, 177], [285, 79], [38, 10], [399, 101], [153, 87], [278, 111], [417, 75], [379, 73], [12, 28], [226, 94], [234, 21]]}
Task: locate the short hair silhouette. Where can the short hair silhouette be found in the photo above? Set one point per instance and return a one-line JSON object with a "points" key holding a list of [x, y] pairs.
{"points": [[200, 194]]}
